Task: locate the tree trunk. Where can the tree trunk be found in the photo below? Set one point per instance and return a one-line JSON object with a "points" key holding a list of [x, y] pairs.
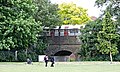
{"points": [[111, 58]]}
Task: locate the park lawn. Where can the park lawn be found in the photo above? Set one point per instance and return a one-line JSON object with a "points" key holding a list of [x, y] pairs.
{"points": [[60, 67]]}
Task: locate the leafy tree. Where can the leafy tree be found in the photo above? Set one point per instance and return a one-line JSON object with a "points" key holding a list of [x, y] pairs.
{"points": [[113, 7], [108, 37], [18, 28], [47, 13], [88, 37], [71, 14]]}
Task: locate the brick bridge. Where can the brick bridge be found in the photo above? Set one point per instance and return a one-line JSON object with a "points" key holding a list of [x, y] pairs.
{"points": [[63, 45]]}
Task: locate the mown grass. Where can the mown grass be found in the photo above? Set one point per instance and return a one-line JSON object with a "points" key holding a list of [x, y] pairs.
{"points": [[60, 67]]}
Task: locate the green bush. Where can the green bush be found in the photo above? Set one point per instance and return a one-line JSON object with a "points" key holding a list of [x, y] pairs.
{"points": [[96, 58], [22, 56], [7, 56], [117, 57]]}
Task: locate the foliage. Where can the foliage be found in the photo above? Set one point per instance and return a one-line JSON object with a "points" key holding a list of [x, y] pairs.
{"points": [[71, 14], [95, 38], [40, 47], [113, 7], [18, 29], [89, 39], [47, 13], [108, 36], [6, 56], [31, 54]]}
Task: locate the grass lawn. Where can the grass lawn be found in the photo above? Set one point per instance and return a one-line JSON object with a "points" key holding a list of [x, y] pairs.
{"points": [[61, 67]]}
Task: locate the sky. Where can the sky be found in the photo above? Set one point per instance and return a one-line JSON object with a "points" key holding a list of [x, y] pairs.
{"points": [[87, 4]]}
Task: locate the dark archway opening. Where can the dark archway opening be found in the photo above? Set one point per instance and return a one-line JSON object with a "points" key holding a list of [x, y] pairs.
{"points": [[63, 53]]}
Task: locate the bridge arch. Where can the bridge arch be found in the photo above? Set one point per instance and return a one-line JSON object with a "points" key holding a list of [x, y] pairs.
{"points": [[63, 50], [63, 53]]}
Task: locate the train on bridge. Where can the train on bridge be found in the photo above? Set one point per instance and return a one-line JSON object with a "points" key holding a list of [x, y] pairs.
{"points": [[63, 41]]}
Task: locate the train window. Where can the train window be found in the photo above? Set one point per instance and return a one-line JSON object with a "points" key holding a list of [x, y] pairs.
{"points": [[61, 30], [74, 31], [71, 31]]}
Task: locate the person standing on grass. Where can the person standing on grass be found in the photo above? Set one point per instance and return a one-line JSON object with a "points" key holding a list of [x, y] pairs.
{"points": [[52, 60], [46, 60]]}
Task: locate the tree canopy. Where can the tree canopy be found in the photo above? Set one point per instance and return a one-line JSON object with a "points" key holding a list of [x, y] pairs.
{"points": [[21, 23], [47, 13], [101, 37], [18, 28], [108, 37], [112, 6], [72, 14], [88, 38]]}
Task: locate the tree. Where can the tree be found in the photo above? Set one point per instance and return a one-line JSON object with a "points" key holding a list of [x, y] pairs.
{"points": [[47, 13], [18, 28], [113, 7], [71, 14], [88, 38], [101, 38], [108, 37]]}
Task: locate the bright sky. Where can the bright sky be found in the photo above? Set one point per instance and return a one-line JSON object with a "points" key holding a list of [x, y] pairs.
{"points": [[87, 4]]}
